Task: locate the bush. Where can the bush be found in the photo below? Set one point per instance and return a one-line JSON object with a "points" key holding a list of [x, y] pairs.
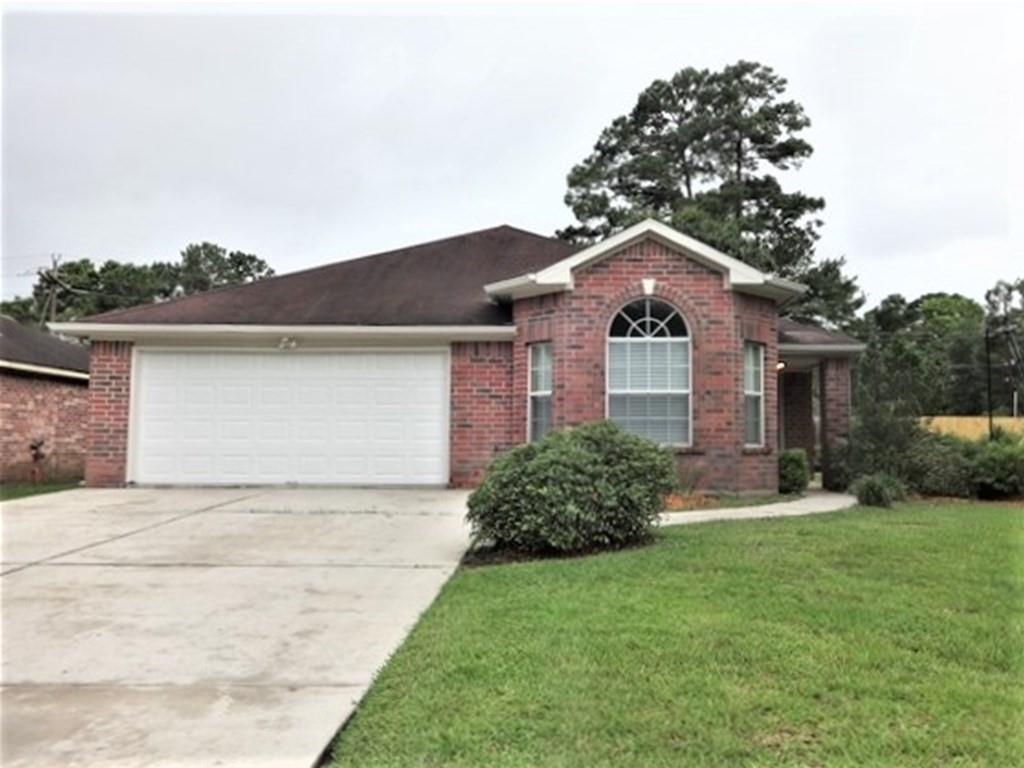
{"points": [[939, 465], [997, 469], [794, 471], [589, 488], [836, 470], [878, 490]]}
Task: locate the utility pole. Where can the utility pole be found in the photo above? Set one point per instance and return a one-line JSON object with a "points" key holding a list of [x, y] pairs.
{"points": [[52, 278], [49, 276], [988, 380]]}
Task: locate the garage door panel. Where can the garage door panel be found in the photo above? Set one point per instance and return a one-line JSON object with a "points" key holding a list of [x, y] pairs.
{"points": [[257, 418]]}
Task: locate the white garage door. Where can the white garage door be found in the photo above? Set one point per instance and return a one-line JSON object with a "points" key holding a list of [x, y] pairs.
{"points": [[290, 417]]}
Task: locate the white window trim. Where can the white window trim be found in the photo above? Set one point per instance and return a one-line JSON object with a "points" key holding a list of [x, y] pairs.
{"points": [[689, 372], [530, 393], [751, 393]]}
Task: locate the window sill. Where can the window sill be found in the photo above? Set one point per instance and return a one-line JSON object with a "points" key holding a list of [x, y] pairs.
{"points": [[756, 450]]}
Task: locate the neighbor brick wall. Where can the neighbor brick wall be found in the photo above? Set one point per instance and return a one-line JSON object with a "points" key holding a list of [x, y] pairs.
{"points": [[34, 407], [110, 369], [798, 411], [481, 408], [835, 408], [576, 324]]}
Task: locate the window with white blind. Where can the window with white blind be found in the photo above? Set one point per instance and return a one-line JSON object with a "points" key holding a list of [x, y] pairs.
{"points": [[539, 403], [753, 394], [649, 372]]}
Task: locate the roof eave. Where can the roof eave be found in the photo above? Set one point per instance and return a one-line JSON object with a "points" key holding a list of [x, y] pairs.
{"points": [[821, 350], [44, 370], [524, 287], [225, 332]]}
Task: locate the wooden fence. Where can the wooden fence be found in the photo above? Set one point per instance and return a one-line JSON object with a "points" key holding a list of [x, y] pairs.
{"points": [[972, 427]]}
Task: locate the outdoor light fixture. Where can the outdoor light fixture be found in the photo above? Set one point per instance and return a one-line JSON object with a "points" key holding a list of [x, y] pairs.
{"points": [[780, 365]]}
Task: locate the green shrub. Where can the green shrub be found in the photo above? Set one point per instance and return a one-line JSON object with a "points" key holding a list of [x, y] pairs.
{"points": [[794, 471], [939, 465], [588, 488], [997, 469], [836, 467], [878, 490]]}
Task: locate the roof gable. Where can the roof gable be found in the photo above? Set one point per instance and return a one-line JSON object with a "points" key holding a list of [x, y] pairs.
{"points": [[559, 276]]}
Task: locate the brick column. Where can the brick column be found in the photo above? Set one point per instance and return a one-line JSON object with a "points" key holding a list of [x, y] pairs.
{"points": [[110, 370], [481, 408], [835, 410]]}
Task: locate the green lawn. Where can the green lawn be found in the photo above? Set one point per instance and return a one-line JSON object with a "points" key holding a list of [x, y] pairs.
{"points": [[9, 491], [860, 638]]}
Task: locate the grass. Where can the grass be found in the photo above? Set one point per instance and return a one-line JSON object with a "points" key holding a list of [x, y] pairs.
{"points": [[11, 491], [860, 638]]}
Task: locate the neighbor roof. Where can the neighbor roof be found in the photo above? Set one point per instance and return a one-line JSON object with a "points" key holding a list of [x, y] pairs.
{"points": [[436, 283], [28, 349]]}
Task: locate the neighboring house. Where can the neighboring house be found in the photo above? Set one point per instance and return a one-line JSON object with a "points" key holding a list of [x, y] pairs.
{"points": [[418, 366], [44, 396]]}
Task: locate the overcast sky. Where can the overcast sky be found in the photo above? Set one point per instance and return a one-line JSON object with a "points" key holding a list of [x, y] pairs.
{"points": [[313, 138]]}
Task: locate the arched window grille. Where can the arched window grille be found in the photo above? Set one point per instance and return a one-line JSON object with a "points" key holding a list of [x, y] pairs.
{"points": [[649, 371]]}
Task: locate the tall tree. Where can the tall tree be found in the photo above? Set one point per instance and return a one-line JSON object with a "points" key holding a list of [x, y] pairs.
{"points": [[85, 289], [1005, 321], [943, 335], [700, 152]]}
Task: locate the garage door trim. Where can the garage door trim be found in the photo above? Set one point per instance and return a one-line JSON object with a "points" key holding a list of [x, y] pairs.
{"points": [[131, 449]]}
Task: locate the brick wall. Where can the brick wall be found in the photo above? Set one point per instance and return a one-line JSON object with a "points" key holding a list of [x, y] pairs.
{"points": [[110, 368], [481, 408], [34, 407], [798, 410], [576, 324], [835, 409]]}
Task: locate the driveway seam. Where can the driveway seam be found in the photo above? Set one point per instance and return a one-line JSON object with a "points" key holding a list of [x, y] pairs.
{"points": [[126, 534]]}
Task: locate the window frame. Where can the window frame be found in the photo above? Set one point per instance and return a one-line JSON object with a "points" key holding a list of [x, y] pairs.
{"points": [[762, 429], [687, 339], [531, 394]]}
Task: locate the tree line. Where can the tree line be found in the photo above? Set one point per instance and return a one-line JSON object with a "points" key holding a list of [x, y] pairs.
{"points": [[79, 288]]}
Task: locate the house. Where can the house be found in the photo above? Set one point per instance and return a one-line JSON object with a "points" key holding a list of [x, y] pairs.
{"points": [[417, 366], [44, 401]]}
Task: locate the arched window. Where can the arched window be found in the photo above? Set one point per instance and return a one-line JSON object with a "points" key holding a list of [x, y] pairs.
{"points": [[649, 371]]}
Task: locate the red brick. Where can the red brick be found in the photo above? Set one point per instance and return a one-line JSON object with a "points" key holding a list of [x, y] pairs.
{"points": [[42, 407]]}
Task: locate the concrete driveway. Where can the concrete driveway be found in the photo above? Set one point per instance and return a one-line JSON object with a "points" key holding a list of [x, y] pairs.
{"points": [[201, 627]]}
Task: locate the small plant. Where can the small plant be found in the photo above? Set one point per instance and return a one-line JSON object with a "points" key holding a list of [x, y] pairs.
{"points": [[794, 471], [584, 489], [878, 490]]}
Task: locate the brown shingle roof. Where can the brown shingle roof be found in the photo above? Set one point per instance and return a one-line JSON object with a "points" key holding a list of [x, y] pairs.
{"points": [[29, 346], [437, 283], [793, 332]]}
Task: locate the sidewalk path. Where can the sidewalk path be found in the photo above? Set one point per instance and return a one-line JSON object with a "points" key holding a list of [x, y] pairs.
{"points": [[813, 503]]}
